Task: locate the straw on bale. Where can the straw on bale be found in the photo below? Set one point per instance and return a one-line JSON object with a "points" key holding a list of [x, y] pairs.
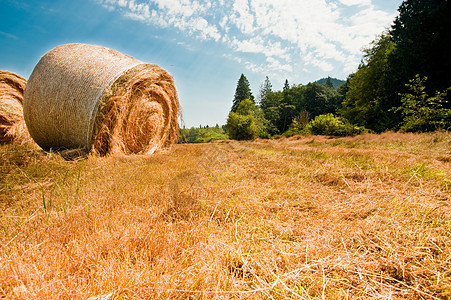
{"points": [[100, 100], [12, 124]]}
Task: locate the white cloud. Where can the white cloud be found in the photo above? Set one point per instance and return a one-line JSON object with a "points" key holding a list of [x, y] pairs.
{"points": [[258, 45], [135, 16], [277, 65], [242, 17], [108, 7], [324, 34], [206, 30], [355, 2]]}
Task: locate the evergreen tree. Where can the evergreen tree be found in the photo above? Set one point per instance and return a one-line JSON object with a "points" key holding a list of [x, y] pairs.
{"points": [[423, 42], [286, 85], [344, 88], [265, 89], [287, 109], [321, 99], [332, 82], [271, 110], [243, 91], [282, 107], [418, 43], [329, 82], [420, 111]]}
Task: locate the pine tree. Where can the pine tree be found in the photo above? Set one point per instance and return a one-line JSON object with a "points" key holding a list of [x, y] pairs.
{"points": [[329, 82], [423, 42], [265, 89], [243, 91], [286, 85], [420, 111]]}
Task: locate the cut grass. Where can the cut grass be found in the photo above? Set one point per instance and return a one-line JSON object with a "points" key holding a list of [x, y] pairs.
{"points": [[299, 218]]}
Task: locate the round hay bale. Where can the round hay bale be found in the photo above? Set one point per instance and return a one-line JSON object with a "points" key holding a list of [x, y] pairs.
{"points": [[12, 124], [100, 100]]}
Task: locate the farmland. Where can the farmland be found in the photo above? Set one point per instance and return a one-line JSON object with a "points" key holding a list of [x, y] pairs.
{"points": [[308, 217]]}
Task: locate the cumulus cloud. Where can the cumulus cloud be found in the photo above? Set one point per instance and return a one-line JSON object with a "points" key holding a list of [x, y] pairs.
{"points": [[258, 45], [242, 17], [355, 2], [283, 35]]}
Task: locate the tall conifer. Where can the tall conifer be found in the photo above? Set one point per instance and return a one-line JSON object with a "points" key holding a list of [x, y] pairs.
{"points": [[243, 91], [265, 89]]}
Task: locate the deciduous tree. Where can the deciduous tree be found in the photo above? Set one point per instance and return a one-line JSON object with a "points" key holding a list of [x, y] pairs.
{"points": [[368, 101], [247, 123]]}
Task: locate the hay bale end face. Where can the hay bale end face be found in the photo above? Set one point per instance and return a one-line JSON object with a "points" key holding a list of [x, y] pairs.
{"points": [[100, 100], [12, 124]]}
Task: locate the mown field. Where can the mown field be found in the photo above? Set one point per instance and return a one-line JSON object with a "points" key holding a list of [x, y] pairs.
{"points": [[367, 217]]}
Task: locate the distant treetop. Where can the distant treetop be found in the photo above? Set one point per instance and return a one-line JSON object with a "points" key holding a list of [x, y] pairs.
{"points": [[243, 91], [335, 82]]}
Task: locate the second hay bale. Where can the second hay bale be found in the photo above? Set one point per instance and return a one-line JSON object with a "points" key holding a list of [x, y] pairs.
{"points": [[98, 99], [12, 124]]}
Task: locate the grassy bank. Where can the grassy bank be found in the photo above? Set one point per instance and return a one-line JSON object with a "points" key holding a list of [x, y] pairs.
{"points": [[300, 218]]}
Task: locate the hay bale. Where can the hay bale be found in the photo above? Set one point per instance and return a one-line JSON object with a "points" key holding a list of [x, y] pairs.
{"points": [[100, 100], [12, 124]]}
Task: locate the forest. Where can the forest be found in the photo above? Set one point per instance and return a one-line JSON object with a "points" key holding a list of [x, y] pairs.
{"points": [[402, 84]]}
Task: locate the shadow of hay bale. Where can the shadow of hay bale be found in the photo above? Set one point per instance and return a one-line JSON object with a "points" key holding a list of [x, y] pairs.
{"points": [[74, 154]]}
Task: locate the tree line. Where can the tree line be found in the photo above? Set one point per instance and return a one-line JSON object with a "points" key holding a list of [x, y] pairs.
{"points": [[402, 83]]}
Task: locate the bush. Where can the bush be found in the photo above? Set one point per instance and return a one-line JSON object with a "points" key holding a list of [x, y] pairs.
{"points": [[348, 129], [295, 129], [202, 134], [247, 123], [298, 125], [324, 125], [242, 127], [211, 136], [330, 125], [422, 113]]}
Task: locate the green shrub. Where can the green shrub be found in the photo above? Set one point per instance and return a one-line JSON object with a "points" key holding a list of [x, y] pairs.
{"points": [[295, 128], [247, 123], [242, 127], [211, 136], [324, 125], [422, 113], [202, 134], [330, 125]]}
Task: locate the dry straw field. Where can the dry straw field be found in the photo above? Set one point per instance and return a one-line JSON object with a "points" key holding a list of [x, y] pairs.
{"points": [[367, 217]]}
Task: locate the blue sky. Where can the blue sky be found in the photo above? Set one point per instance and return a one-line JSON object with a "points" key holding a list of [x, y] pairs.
{"points": [[204, 45]]}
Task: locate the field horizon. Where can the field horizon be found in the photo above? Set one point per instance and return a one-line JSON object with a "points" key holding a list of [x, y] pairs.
{"points": [[306, 217]]}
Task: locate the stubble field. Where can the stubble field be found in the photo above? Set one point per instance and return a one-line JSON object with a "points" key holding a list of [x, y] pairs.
{"points": [[367, 217]]}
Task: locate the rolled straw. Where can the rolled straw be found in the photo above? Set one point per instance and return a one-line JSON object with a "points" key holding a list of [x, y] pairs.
{"points": [[12, 124], [100, 100]]}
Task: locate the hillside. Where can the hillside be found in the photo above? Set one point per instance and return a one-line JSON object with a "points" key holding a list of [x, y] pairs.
{"points": [[335, 82], [301, 218]]}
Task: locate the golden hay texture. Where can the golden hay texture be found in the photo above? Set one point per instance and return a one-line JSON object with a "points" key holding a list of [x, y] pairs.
{"points": [[100, 100], [12, 124], [365, 217]]}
